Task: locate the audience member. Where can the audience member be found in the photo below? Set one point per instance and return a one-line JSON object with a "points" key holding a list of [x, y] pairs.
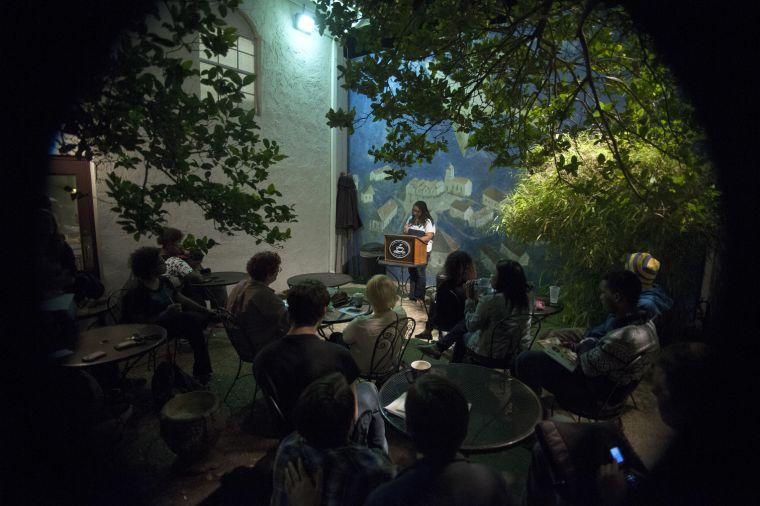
{"points": [[345, 473], [653, 299], [294, 361], [482, 333], [360, 335], [604, 362], [447, 310], [257, 310], [152, 298], [437, 416], [170, 240], [679, 384]]}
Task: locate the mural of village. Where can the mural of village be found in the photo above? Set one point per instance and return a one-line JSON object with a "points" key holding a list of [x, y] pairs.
{"points": [[464, 198]]}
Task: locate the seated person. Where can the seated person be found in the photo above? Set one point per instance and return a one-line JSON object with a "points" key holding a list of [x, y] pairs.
{"points": [[177, 268], [653, 300], [447, 309], [170, 240], [437, 415], [152, 298], [679, 385], [603, 362], [483, 316], [299, 358], [360, 335], [257, 310], [324, 415]]}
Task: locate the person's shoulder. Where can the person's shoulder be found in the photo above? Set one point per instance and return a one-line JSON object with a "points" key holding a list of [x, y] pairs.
{"points": [[272, 350]]}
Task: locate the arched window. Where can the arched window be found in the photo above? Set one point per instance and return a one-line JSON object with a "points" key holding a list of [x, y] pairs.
{"points": [[241, 57]]}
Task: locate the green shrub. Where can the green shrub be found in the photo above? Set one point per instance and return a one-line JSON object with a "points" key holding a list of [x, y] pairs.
{"points": [[590, 220]]}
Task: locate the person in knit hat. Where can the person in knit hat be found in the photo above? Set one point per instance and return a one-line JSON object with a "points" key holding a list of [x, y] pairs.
{"points": [[653, 299], [645, 266]]}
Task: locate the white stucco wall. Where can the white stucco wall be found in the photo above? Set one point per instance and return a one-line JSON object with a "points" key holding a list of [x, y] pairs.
{"points": [[296, 88]]}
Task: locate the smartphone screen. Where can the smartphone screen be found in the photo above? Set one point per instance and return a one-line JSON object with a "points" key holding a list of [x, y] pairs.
{"points": [[615, 454]]}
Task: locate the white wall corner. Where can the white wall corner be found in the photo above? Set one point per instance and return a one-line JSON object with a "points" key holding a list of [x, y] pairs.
{"points": [[338, 145]]}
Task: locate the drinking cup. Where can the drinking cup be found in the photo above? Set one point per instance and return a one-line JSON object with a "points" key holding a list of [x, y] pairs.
{"points": [[553, 294], [417, 369]]}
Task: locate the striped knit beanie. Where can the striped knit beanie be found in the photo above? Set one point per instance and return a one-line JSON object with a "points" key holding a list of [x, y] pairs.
{"points": [[645, 266]]}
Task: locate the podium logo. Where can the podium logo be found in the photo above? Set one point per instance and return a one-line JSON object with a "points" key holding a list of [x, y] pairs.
{"points": [[399, 249]]}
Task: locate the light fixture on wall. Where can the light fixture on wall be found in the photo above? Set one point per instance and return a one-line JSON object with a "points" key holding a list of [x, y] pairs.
{"points": [[304, 22]]}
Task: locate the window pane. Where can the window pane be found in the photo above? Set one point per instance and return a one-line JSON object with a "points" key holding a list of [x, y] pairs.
{"points": [[230, 60], [205, 66], [249, 88], [205, 89], [245, 45], [248, 100], [246, 62]]}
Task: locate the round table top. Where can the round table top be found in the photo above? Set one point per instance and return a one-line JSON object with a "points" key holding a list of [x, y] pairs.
{"points": [[92, 308], [329, 279], [104, 339], [222, 278], [548, 309], [337, 316], [503, 411]]}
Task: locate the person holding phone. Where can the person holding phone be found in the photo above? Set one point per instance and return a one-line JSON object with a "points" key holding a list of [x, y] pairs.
{"points": [[419, 224]]}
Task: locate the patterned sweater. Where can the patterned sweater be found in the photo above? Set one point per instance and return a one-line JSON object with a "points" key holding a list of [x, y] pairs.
{"points": [[609, 355]]}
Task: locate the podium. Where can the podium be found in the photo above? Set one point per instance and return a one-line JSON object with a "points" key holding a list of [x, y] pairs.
{"points": [[404, 250]]}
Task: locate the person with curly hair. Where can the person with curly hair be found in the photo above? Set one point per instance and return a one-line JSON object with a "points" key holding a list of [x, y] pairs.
{"points": [[256, 309], [152, 298]]}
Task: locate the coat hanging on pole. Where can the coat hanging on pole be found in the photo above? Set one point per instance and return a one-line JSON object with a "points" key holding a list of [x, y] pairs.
{"points": [[347, 220], [347, 208]]}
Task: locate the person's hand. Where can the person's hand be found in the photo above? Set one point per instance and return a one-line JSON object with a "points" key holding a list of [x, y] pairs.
{"points": [[300, 488], [406, 228], [611, 487], [174, 308], [469, 290]]}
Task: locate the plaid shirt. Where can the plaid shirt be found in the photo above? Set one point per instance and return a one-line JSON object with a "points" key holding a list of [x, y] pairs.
{"points": [[350, 472]]}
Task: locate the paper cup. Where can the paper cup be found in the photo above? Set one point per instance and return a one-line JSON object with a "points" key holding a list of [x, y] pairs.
{"points": [[553, 294]]}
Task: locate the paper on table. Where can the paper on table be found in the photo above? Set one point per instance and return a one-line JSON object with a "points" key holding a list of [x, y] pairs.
{"points": [[351, 311], [397, 407]]}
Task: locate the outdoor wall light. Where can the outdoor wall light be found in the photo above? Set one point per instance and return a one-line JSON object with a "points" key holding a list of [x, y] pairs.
{"points": [[304, 22]]}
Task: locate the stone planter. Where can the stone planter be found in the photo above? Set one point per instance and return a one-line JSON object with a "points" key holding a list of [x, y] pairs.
{"points": [[191, 424]]}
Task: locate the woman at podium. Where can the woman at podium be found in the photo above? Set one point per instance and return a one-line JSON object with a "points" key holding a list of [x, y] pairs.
{"points": [[419, 224]]}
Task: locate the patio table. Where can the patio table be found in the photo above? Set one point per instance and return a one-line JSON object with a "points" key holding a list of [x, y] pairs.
{"points": [[503, 410]]}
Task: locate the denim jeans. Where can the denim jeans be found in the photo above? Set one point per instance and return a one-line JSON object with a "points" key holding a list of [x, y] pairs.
{"points": [[417, 281], [369, 429], [538, 370], [190, 325]]}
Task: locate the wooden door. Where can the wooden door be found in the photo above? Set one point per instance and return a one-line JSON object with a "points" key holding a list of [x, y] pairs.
{"points": [[70, 191]]}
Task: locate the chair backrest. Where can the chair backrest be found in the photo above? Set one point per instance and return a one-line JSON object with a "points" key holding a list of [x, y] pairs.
{"points": [[390, 345], [273, 400], [245, 349], [619, 392], [503, 328], [114, 306]]}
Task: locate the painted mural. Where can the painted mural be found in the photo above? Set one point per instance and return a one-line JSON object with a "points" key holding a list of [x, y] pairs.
{"points": [[462, 194]]}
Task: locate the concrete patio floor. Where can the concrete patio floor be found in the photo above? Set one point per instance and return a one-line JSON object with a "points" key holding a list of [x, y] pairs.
{"points": [[139, 468]]}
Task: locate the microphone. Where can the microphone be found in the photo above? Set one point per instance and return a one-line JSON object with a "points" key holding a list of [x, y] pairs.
{"points": [[411, 218]]}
